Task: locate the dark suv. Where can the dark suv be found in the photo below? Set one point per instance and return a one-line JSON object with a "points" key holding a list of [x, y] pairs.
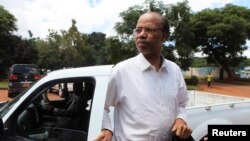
{"points": [[22, 76]]}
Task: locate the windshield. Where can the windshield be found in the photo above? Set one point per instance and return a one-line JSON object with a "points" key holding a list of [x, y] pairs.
{"points": [[25, 69]]}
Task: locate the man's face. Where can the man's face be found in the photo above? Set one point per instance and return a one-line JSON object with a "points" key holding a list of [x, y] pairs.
{"points": [[149, 34]]}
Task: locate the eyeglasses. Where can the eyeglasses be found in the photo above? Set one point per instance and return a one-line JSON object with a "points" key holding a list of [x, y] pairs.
{"points": [[147, 30]]}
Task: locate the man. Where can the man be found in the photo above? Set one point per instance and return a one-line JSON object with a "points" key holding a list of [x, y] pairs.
{"points": [[209, 79], [147, 91], [70, 116]]}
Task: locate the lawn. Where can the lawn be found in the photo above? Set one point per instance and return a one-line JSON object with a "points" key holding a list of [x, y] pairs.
{"points": [[3, 84], [192, 87]]}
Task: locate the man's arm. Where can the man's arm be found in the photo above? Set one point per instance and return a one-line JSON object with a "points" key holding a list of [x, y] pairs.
{"points": [[180, 126]]}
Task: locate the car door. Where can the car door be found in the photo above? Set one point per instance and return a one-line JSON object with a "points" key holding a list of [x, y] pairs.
{"points": [[24, 119]]}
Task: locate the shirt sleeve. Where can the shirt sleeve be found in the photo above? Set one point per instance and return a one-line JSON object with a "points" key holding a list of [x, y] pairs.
{"points": [[183, 98]]}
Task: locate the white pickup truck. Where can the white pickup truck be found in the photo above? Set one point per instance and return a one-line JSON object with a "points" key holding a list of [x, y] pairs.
{"points": [[210, 109], [24, 118]]}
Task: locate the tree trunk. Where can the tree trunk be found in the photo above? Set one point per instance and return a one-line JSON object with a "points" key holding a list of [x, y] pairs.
{"points": [[230, 72]]}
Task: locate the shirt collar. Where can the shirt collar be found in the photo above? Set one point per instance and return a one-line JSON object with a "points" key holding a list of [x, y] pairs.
{"points": [[144, 64], [164, 64]]}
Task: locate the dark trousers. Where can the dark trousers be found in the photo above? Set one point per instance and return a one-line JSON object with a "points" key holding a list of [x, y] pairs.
{"points": [[208, 83]]}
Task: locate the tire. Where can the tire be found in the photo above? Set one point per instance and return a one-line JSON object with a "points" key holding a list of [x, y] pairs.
{"points": [[10, 95]]}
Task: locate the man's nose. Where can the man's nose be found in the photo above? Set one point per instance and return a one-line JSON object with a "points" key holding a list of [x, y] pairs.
{"points": [[142, 34]]}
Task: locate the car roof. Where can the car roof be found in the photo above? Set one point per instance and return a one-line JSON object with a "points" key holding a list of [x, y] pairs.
{"points": [[24, 65], [100, 70]]}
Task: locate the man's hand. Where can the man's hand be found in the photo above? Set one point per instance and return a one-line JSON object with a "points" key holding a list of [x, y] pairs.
{"points": [[105, 135], [181, 129]]}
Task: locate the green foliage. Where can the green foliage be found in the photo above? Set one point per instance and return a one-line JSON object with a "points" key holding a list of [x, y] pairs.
{"points": [[200, 62], [221, 34], [247, 62], [49, 52], [7, 27], [118, 50], [179, 19], [14, 49], [7, 22], [178, 15], [193, 80], [244, 63], [129, 19], [96, 40], [69, 49], [168, 52]]}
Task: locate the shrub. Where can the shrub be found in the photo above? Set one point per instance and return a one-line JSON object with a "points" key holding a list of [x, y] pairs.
{"points": [[193, 80]]}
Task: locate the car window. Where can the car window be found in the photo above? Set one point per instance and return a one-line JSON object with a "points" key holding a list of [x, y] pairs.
{"points": [[44, 112], [25, 69]]}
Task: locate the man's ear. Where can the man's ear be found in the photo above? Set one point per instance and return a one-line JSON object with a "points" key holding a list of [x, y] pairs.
{"points": [[164, 37]]}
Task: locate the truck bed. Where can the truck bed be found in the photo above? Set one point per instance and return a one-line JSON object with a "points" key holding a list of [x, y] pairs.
{"points": [[205, 109]]}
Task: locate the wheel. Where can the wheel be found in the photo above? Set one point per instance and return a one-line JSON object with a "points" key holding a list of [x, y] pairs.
{"points": [[10, 95]]}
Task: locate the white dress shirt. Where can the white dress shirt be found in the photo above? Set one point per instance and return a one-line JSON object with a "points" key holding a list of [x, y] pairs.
{"points": [[146, 102]]}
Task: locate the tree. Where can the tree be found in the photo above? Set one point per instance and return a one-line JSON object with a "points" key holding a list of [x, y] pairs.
{"points": [[76, 51], [118, 50], [96, 41], [221, 34], [179, 17], [7, 22], [14, 49], [50, 56], [68, 48], [200, 62], [7, 27], [247, 62], [25, 51]]}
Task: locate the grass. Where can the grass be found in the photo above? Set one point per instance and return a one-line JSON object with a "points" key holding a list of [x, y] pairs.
{"points": [[192, 87], [3, 84]]}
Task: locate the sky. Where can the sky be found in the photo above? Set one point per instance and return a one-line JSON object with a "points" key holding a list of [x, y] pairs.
{"points": [[39, 16]]}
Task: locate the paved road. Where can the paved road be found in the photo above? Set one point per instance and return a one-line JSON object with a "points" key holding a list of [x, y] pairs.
{"points": [[241, 90], [4, 96]]}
